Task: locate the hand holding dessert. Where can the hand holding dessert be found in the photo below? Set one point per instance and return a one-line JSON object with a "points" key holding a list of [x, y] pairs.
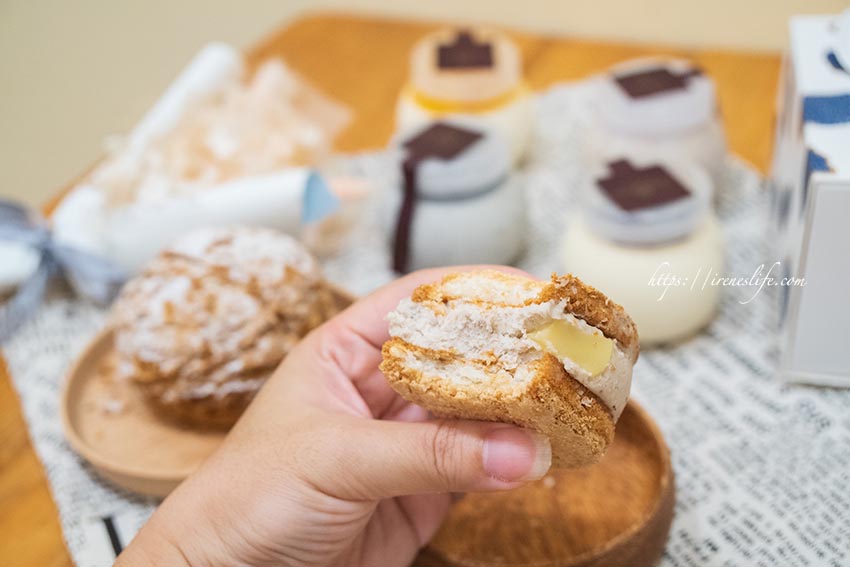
{"points": [[329, 466]]}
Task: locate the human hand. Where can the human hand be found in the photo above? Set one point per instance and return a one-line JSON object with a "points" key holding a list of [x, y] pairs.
{"points": [[329, 466]]}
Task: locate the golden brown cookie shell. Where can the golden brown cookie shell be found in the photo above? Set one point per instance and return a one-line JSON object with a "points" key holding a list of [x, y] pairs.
{"points": [[551, 402]]}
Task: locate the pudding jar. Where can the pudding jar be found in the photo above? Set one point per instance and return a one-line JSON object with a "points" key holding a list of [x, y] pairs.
{"points": [[454, 201], [646, 236], [664, 107], [475, 74]]}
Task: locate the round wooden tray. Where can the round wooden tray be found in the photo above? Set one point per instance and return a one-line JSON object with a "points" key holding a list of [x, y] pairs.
{"points": [[108, 423], [615, 513]]}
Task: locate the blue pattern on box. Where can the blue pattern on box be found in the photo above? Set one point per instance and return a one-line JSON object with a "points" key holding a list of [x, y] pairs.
{"points": [[826, 109]]}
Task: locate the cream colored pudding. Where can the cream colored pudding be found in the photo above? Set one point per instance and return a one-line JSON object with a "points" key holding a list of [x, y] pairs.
{"points": [[657, 261], [661, 313]]}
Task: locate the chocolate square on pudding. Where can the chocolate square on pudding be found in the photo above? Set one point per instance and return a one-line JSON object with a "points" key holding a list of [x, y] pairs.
{"points": [[440, 140], [654, 81], [465, 53], [633, 189]]}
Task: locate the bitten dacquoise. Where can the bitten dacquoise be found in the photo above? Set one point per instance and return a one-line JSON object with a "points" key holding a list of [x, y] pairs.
{"points": [[553, 356]]}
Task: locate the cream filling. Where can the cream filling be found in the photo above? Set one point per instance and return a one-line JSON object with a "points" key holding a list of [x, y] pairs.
{"points": [[518, 335], [589, 351]]}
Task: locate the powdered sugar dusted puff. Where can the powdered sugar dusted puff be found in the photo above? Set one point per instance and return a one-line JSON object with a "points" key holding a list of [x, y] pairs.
{"points": [[554, 356], [210, 318]]}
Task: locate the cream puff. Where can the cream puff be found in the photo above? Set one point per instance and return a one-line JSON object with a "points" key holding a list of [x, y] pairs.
{"points": [[205, 324]]}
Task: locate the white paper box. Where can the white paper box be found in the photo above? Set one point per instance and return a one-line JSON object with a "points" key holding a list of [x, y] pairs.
{"points": [[810, 184], [817, 341]]}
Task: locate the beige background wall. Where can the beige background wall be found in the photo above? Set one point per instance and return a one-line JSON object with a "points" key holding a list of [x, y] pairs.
{"points": [[72, 72]]}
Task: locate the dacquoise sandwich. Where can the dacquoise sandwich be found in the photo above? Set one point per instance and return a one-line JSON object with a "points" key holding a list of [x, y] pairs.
{"points": [[553, 356]]}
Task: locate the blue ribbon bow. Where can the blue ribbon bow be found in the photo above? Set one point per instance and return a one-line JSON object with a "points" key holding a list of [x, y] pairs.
{"points": [[95, 278]]}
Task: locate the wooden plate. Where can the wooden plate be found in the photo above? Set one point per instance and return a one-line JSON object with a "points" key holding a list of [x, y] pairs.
{"points": [[110, 425], [615, 513]]}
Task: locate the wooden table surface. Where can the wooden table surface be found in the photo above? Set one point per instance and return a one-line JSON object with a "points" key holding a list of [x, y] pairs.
{"points": [[363, 62]]}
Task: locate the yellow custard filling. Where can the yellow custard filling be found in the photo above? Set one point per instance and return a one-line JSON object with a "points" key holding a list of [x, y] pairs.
{"points": [[591, 352], [445, 106]]}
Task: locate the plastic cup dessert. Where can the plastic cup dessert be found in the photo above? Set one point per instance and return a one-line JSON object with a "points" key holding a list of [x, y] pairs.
{"points": [[646, 234], [470, 73]]}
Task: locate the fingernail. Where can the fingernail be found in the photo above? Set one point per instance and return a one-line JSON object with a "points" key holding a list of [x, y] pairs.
{"points": [[513, 454]]}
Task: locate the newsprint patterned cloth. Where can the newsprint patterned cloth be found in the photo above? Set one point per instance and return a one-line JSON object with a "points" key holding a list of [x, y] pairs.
{"points": [[762, 468]]}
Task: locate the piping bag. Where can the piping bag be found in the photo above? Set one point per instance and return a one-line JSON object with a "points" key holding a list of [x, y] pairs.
{"points": [[131, 235], [130, 221]]}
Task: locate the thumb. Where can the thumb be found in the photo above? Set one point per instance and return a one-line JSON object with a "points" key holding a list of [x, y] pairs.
{"points": [[371, 459]]}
